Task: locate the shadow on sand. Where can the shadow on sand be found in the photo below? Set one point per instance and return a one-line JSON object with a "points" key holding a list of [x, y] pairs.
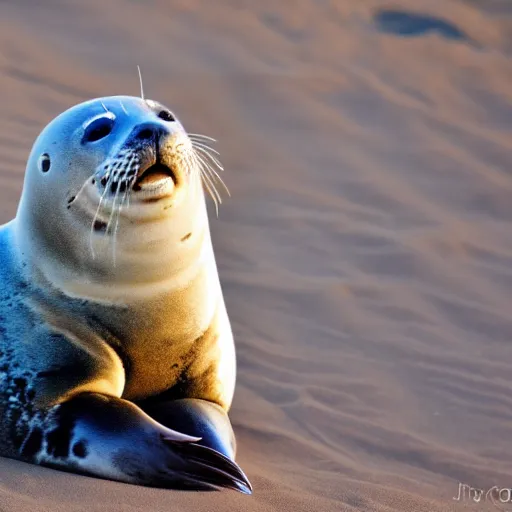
{"points": [[411, 24]]}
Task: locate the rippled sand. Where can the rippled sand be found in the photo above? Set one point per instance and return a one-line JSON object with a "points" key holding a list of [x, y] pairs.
{"points": [[366, 253]]}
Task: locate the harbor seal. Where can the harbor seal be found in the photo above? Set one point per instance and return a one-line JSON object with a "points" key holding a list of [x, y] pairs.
{"points": [[116, 352]]}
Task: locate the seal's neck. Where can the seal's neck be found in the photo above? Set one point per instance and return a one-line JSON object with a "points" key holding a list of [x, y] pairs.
{"points": [[147, 260]]}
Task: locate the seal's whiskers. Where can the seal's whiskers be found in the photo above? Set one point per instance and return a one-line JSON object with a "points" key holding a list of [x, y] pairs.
{"points": [[118, 176], [111, 168], [133, 167], [127, 185], [215, 161], [214, 175], [209, 185], [205, 158], [211, 173], [91, 234], [141, 86], [194, 172], [114, 214], [116, 227], [124, 108], [201, 136], [82, 188], [113, 209], [196, 142]]}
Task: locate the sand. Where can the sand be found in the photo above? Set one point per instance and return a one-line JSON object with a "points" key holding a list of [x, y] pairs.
{"points": [[365, 254]]}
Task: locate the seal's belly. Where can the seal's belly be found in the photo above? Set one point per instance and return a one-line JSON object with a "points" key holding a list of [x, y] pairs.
{"points": [[194, 367], [155, 367]]}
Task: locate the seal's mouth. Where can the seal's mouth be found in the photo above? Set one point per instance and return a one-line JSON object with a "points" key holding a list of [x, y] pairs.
{"points": [[153, 175]]}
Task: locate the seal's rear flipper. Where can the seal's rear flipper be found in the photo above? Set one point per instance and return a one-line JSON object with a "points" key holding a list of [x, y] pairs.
{"points": [[112, 438]]}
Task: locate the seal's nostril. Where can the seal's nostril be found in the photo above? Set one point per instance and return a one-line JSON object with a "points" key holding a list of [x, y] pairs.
{"points": [[145, 134]]}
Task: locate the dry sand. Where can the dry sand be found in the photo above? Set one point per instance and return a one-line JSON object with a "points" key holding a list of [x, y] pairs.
{"points": [[366, 253]]}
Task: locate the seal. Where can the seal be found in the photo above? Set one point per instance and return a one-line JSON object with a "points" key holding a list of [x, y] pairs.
{"points": [[117, 357]]}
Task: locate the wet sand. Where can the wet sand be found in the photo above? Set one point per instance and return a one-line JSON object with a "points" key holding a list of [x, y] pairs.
{"points": [[365, 254]]}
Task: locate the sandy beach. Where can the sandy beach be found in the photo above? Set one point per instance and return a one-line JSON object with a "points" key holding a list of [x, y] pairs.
{"points": [[365, 253]]}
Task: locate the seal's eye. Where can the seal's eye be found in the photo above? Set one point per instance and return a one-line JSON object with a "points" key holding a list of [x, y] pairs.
{"points": [[44, 162], [98, 129], [166, 115]]}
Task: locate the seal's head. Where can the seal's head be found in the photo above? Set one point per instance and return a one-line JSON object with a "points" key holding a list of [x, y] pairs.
{"points": [[113, 185]]}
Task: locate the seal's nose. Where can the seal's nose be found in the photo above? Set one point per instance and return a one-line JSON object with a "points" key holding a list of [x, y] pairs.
{"points": [[147, 132]]}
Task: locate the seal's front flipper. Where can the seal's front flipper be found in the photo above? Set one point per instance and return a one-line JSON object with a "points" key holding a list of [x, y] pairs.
{"points": [[112, 438], [195, 417], [199, 418]]}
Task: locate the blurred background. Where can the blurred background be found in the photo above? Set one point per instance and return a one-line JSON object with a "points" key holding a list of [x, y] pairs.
{"points": [[365, 253]]}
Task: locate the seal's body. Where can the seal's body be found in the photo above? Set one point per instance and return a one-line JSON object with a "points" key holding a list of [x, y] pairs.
{"points": [[116, 352]]}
